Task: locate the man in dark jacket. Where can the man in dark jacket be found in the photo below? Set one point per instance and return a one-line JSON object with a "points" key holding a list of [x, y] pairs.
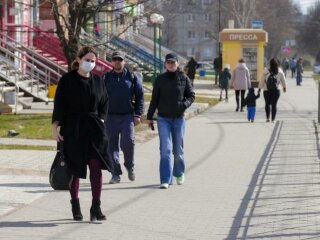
{"points": [[217, 65], [126, 101], [172, 94], [191, 67]]}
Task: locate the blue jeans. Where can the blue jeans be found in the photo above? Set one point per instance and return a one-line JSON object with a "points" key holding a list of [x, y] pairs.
{"points": [[251, 113], [299, 78], [171, 134]]}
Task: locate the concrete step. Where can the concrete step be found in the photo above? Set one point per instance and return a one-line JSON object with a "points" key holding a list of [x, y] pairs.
{"points": [[13, 107], [26, 102], [8, 89], [5, 109]]}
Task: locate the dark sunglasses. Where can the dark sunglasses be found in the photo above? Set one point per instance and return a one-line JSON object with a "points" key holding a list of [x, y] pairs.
{"points": [[117, 59]]}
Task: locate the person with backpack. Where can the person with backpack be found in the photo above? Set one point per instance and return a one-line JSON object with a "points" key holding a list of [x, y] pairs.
{"points": [[270, 82], [172, 94], [126, 102], [250, 102], [224, 81], [285, 66]]}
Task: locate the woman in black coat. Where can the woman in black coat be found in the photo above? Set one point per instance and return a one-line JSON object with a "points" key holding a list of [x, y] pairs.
{"points": [[80, 108]]}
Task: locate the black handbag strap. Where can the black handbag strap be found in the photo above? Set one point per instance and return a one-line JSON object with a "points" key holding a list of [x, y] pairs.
{"points": [[60, 147]]}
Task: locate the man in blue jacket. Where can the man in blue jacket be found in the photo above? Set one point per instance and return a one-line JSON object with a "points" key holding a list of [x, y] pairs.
{"points": [[126, 100], [172, 94]]}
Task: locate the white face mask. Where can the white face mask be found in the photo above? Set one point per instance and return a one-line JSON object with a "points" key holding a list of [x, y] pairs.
{"points": [[87, 66]]}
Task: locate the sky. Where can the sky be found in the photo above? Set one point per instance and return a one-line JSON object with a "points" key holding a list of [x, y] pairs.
{"points": [[305, 4]]}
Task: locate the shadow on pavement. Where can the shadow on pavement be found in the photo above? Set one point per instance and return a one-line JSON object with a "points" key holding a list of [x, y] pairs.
{"points": [[43, 223], [282, 198]]}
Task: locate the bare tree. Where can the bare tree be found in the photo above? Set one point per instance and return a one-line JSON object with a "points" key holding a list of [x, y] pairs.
{"points": [[69, 23], [69, 27], [309, 35], [279, 19], [243, 11]]}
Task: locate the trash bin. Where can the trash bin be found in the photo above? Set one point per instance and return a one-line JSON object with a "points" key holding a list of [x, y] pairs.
{"points": [[9, 97], [52, 91], [202, 73]]}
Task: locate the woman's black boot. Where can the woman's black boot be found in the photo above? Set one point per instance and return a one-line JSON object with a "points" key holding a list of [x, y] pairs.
{"points": [[95, 211], [76, 211]]}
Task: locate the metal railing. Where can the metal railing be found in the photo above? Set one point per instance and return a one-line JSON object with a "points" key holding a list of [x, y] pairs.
{"points": [[149, 45], [25, 66], [136, 51]]}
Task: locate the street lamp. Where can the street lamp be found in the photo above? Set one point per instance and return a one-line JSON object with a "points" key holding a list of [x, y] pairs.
{"points": [[157, 20]]}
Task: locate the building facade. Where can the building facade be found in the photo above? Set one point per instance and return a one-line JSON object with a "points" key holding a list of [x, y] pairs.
{"points": [[190, 27]]}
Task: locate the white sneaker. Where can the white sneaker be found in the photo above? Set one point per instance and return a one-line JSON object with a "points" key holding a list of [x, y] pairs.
{"points": [[164, 185], [180, 180]]}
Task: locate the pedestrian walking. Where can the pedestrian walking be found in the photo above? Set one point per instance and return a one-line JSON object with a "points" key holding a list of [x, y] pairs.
{"points": [[217, 65], [97, 30], [270, 82], [240, 81], [172, 94], [224, 81], [80, 108], [250, 102], [126, 102], [299, 69], [293, 64], [285, 66], [191, 68]]}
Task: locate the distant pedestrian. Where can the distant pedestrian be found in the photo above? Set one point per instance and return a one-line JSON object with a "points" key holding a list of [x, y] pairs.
{"points": [[80, 108], [299, 69], [224, 81], [217, 65], [240, 81], [97, 30], [191, 68], [172, 94], [126, 100], [293, 64], [250, 102], [285, 66], [270, 82]]}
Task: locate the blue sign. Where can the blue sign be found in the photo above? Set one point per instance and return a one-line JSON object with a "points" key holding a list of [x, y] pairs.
{"points": [[257, 24]]}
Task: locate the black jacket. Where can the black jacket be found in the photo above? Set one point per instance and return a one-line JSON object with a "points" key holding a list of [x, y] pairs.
{"points": [[172, 94], [250, 100], [79, 105]]}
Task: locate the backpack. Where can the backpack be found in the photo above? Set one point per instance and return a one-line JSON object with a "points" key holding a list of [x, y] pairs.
{"points": [[286, 65], [272, 82]]}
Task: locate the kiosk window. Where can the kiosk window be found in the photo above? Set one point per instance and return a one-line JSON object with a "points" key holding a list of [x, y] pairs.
{"points": [[250, 56]]}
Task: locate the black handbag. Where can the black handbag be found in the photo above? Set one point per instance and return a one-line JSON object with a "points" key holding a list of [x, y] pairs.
{"points": [[60, 177]]}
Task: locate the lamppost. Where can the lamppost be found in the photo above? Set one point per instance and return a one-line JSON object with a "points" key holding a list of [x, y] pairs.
{"points": [[157, 20]]}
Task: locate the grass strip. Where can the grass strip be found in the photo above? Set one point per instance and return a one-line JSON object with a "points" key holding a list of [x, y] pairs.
{"points": [[26, 147]]}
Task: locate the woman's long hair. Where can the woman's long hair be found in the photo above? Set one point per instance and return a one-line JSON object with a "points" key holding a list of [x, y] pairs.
{"points": [[82, 52], [274, 67]]}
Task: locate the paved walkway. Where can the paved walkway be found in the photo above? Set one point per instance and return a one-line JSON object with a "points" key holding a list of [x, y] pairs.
{"points": [[243, 181]]}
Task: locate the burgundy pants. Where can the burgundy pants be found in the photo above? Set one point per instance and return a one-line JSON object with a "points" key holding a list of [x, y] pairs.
{"points": [[95, 180]]}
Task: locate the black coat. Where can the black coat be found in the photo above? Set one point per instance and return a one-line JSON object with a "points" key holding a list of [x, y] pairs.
{"points": [[79, 105], [192, 66]]}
